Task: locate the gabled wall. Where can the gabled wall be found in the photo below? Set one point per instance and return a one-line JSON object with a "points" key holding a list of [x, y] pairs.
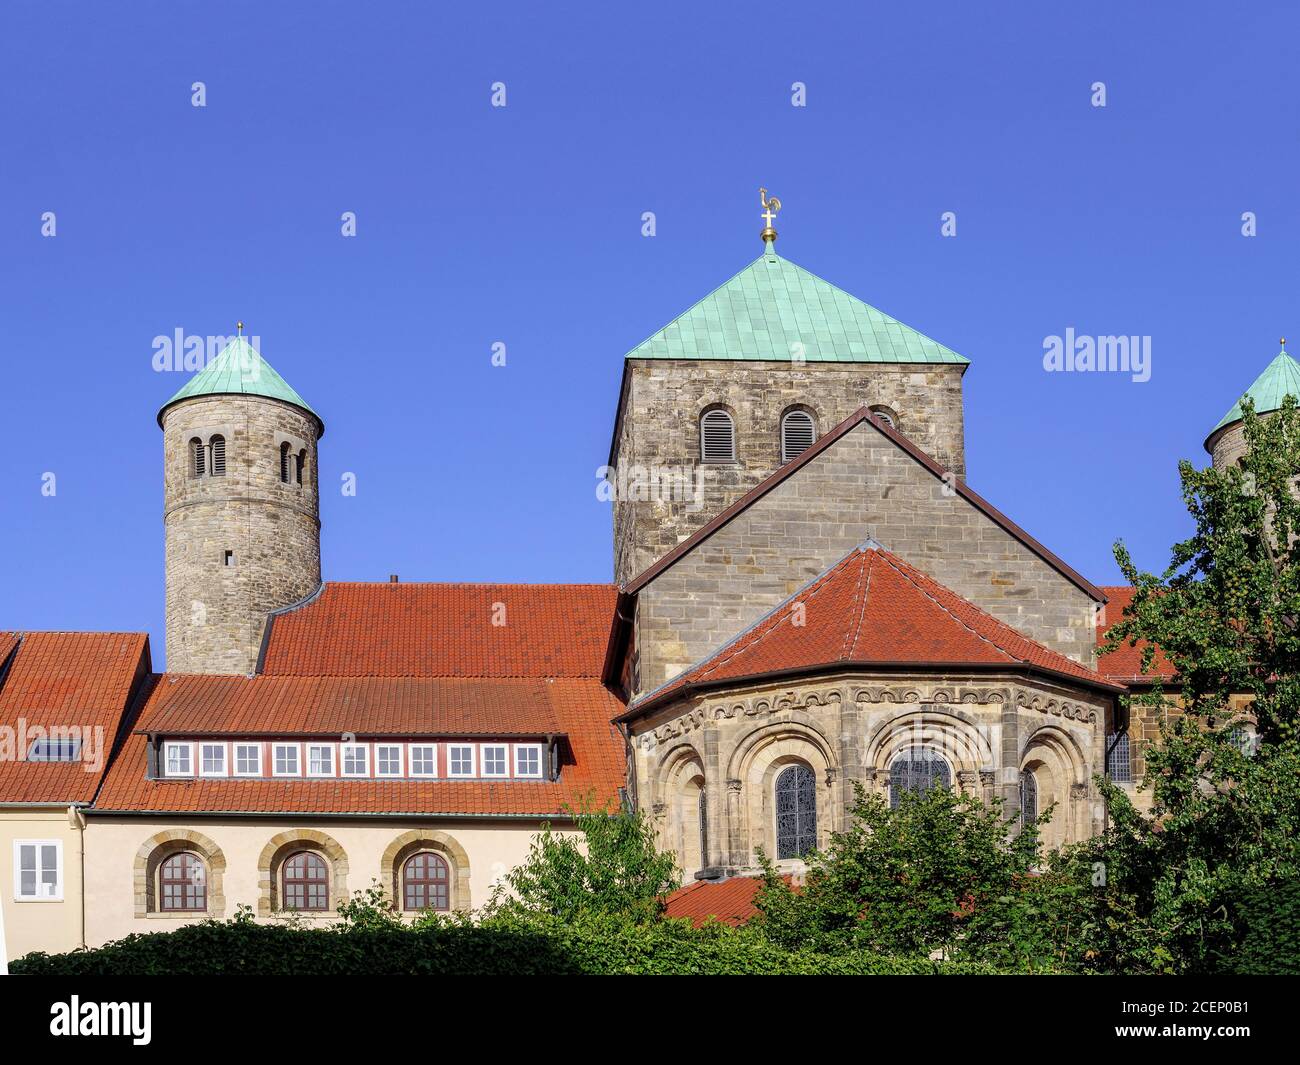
{"points": [[863, 485]]}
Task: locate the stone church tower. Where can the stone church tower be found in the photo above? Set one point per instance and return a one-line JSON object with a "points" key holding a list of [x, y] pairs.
{"points": [[241, 514], [750, 376], [1281, 377]]}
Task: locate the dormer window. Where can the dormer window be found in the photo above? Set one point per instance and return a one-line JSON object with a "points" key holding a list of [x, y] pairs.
{"points": [[797, 434], [717, 437]]}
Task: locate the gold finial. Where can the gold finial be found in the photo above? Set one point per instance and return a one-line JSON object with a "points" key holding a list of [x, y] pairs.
{"points": [[771, 205], [240, 327], [1283, 343]]}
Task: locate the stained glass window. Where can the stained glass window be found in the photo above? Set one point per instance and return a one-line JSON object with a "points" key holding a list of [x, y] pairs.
{"points": [[917, 770], [796, 812]]}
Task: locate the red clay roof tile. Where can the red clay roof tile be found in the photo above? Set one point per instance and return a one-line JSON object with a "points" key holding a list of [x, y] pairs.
{"points": [[1124, 664], [872, 609]]}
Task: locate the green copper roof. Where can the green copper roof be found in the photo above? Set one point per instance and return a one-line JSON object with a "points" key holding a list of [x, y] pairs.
{"points": [[1280, 378], [773, 309], [240, 370]]}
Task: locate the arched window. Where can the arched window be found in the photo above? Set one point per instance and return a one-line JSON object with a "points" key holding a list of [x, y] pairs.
{"points": [[886, 415], [1119, 762], [300, 466], [704, 830], [183, 884], [305, 879], [1028, 796], [917, 770], [284, 463], [426, 884], [218, 460], [796, 812], [797, 434], [717, 437], [198, 463]]}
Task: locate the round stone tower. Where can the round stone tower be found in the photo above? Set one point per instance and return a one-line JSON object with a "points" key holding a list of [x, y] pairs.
{"points": [[242, 509], [1227, 441]]}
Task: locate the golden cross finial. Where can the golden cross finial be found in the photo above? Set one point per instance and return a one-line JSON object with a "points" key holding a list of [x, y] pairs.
{"points": [[771, 205]]}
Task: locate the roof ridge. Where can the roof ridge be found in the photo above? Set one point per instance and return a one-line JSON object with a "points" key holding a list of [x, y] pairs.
{"points": [[890, 559], [861, 592]]}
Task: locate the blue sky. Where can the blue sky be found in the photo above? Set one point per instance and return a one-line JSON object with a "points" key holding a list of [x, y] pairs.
{"points": [[523, 225]]}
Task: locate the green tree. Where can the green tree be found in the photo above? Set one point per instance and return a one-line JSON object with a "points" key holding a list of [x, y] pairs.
{"points": [[942, 874], [614, 868], [1225, 614]]}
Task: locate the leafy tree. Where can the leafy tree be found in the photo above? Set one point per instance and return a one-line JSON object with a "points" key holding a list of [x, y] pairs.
{"points": [[1225, 614], [942, 875], [616, 868]]}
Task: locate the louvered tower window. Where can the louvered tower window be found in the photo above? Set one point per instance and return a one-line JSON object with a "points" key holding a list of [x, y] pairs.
{"points": [[284, 463], [717, 437], [218, 461], [198, 463], [300, 465], [797, 434]]}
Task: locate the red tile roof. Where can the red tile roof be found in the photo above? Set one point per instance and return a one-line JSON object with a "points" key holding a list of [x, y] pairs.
{"points": [[873, 609], [729, 901], [582, 710], [366, 706], [1124, 664], [66, 680], [444, 630]]}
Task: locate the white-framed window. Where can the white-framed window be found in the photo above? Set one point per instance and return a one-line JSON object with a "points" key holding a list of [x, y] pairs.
{"points": [[248, 759], [460, 760], [354, 759], [178, 759], [424, 759], [286, 760], [38, 870], [55, 749], [496, 760], [212, 759], [388, 759], [528, 759], [320, 759]]}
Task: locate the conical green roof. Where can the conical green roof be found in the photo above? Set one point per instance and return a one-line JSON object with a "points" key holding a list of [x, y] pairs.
{"points": [[240, 370], [1280, 378], [774, 309]]}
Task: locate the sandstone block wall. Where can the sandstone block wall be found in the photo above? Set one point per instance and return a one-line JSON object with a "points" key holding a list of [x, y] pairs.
{"points": [[216, 613], [663, 400], [863, 486]]}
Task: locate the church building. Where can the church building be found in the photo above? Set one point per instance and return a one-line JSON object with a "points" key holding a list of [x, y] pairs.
{"points": [[822, 601]]}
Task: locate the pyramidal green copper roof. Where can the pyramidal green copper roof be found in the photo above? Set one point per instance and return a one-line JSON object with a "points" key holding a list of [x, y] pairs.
{"points": [[774, 309], [238, 370], [1280, 378]]}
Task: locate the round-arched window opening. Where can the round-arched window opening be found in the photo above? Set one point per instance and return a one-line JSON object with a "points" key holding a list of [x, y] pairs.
{"points": [[305, 882], [917, 770], [1028, 796], [798, 432], [796, 812], [426, 882], [183, 884], [886, 415], [717, 437]]}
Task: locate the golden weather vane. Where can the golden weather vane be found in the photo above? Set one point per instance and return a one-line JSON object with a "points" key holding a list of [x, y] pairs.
{"points": [[771, 206]]}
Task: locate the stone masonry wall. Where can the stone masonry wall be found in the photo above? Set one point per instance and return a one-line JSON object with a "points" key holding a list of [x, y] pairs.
{"points": [[216, 613], [863, 486], [663, 400]]}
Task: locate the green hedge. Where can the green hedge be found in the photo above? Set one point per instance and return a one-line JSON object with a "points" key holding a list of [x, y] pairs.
{"points": [[667, 948], [1268, 939]]}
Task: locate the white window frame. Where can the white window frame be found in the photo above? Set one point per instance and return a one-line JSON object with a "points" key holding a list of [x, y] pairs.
{"points": [[57, 844], [505, 761], [225, 758], [234, 760], [306, 765], [401, 759], [473, 760], [541, 761], [168, 747], [345, 749], [410, 759], [276, 748]]}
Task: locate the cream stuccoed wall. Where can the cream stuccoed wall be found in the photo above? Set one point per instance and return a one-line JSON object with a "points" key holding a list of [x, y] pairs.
{"points": [[47, 925], [115, 845]]}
